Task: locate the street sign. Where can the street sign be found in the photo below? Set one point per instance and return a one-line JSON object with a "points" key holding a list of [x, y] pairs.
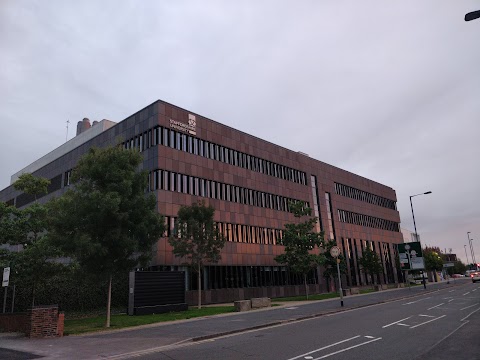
{"points": [[411, 257], [448, 264], [334, 251], [6, 276]]}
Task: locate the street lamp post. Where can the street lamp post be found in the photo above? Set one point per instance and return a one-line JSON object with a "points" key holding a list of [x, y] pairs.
{"points": [[416, 235], [471, 248], [472, 15], [465, 247]]}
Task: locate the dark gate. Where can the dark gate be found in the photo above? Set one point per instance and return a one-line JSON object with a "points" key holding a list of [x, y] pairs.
{"points": [[155, 292]]}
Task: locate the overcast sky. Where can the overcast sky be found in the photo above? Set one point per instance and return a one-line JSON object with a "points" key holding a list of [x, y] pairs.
{"points": [[388, 90]]}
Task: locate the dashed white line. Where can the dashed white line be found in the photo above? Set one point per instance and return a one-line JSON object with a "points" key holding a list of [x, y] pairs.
{"points": [[396, 322], [451, 300], [429, 321], [466, 293], [474, 290], [451, 290], [473, 312], [469, 306], [430, 316], [413, 302], [369, 337], [323, 348], [433, 307], [349, 348]]}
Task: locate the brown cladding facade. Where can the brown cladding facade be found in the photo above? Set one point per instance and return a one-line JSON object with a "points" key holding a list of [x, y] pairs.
{"points": [[249, 181]]}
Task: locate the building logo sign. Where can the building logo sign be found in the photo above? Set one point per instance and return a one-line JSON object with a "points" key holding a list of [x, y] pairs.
{"points": [[190, 128]]}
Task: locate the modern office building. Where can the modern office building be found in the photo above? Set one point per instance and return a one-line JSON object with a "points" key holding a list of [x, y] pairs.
{"points": [[250, 182]]}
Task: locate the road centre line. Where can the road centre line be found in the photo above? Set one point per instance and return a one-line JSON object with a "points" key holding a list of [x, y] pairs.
{"points": [[429, 321], [323, 348], [469, 306], [396, 322], [474, 290], [473, 312], [451, 300], [430, 316], [413, 302], [349, 348], [466, 293], [433, 307]]}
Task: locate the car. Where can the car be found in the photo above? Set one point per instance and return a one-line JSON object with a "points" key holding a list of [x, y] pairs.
{"points": [[475, 276]]}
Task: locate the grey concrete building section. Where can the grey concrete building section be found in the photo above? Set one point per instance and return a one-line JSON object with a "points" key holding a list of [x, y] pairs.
{"points": [[71, 144]]}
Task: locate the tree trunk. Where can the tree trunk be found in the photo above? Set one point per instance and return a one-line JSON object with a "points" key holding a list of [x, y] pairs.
{"points": [[109, 301], [305, 282], [199, 286]]}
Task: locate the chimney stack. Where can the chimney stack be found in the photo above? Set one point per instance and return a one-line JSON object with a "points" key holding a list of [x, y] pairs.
{"points": [[83, 125]]}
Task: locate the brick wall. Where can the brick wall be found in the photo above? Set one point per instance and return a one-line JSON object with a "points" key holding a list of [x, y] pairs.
{"points": [[39, 322], [43, 321]]}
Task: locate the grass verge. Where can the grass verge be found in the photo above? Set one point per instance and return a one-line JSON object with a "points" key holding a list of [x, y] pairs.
{"points": [[97, 323]]}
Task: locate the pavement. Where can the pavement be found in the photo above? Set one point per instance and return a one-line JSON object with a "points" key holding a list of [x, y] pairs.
{"points": [[133, 342]]}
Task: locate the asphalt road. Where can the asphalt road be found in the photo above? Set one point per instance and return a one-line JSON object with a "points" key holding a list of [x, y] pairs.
{"points": [[159, 341], [439, 325]]}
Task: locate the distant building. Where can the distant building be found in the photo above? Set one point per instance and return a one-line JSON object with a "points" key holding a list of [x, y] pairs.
{"points": [[250, 182], [409, 236]]}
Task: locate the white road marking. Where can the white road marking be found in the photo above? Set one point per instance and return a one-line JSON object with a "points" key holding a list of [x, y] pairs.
{"points": [[469, 306], [323, 348], [369, 337], [349, 348], [466, 293], [451, 300], [448, 297], [451, 290], [413, 302], [473, 312], [474, 290], [403, 324], [396, 322], [429, 321], [430, 316], [308, 357], [433, 307], [292, 308]]}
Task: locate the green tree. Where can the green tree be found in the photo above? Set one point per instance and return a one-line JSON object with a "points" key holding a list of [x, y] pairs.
{"points": [[299, 240], [197, 239], [106, 221], [32, 185], [33, 262], [432, 258], [457, 268], [371, 263]]}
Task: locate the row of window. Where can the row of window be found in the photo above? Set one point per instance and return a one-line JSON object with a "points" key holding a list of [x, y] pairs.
{"points": [[368, 221], [224, 277], [184, 142], [172, 181], [361, 195], [24, 198], [238, 233]]}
